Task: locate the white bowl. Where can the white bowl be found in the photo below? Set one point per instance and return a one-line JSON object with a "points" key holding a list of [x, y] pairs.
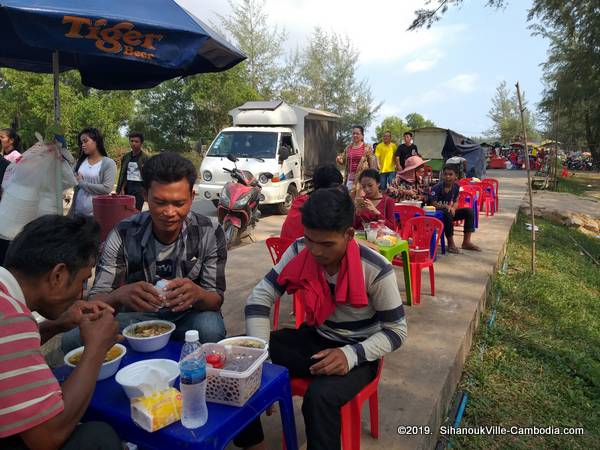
{"points": [[107, 369], [149, 344], [236, 339], [129, 376]]}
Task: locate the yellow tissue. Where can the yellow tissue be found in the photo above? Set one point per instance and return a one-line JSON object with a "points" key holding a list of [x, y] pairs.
{"points": [[157, 410]]}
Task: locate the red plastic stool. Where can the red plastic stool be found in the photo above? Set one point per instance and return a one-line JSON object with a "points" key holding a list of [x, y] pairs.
{"points": [[350, 412]]}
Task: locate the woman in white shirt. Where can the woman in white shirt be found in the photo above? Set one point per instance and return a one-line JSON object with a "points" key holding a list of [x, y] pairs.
{"points": [[95, 172]]}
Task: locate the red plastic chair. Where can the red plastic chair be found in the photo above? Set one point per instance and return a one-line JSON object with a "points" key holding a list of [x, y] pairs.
{"points": [[277, 247], [466, 199], [496, 185], [478, 191], [464, 181], [407, 212], [489, 197], [421, 231], [351, 423]]}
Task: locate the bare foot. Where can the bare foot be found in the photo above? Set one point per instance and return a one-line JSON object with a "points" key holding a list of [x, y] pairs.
{"points": [[471, 246]]}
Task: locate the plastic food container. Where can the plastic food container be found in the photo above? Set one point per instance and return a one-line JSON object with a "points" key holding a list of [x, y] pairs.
{"points": [[152, 343], [108, 369], [129, 376], [233, 388], [246, 341]]}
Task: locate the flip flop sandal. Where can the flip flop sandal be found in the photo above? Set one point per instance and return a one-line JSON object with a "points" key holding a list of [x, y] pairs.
{"points": [[454, 250], [472, 247]]}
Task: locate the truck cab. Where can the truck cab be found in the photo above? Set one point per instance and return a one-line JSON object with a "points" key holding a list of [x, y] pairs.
{"points": [[267, 137]]}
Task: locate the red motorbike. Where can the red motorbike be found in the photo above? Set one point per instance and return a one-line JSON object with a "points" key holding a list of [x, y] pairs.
{"points": [[238, 203]]}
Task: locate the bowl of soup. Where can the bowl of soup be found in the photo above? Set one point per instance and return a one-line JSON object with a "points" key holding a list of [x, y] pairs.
{"points": [[150, 335], [109, 367]]}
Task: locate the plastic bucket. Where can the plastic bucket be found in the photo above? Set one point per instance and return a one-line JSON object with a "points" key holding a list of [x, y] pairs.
{"points": [[109, 210]]}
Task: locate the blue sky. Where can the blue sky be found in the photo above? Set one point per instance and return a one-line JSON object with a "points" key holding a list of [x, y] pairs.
{"points": [[448, 73]]}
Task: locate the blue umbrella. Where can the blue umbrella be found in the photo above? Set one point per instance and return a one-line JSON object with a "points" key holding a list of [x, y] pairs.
{"points": [[115, 44]]}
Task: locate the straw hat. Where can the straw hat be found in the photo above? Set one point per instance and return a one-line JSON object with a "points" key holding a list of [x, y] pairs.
{"points": [[412, 163]]}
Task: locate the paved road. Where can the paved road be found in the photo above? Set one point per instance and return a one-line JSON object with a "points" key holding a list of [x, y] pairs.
{"points": [[269, 224]]}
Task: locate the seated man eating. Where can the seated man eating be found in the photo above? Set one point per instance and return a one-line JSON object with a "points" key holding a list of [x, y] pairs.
{"points": [[45, 267], [168, 242], [354, 316]]}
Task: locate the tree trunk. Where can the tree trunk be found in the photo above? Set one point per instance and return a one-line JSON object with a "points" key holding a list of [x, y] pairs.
{"points": [[591, 141]]}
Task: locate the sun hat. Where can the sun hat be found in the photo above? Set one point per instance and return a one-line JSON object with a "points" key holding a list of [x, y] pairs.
{"points": [[412, 163]]}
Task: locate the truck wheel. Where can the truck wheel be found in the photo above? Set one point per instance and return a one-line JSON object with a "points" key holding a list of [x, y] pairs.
{"points": [[232, 235], [215, 203], [292, 193]]}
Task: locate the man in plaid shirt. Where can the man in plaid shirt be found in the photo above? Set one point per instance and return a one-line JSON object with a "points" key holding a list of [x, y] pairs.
{"points": [[169, 242]]}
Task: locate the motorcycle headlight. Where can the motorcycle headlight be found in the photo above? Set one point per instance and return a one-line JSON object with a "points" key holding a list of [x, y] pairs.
{"points": [[207, 175], [224, 198], [242, 200], [263, 179]]}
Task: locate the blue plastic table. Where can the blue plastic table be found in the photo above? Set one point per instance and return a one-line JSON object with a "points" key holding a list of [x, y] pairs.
{"points": [[110, 404]]}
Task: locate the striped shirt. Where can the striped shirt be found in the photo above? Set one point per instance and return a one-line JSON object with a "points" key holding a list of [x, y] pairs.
{"points": [[354, 155], [369, 333], [130, 254], [29, 392]]}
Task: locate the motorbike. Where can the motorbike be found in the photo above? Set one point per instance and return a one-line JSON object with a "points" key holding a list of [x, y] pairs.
{"points": [[238, 211]]}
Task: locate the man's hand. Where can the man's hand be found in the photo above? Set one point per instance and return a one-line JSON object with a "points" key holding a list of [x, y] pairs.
{"points": [[140, 297], [182, 294], [100, 334], [332, 362], [91, 310]]}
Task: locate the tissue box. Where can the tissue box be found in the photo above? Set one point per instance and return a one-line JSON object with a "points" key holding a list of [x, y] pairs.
{"points": [[158, 410]]}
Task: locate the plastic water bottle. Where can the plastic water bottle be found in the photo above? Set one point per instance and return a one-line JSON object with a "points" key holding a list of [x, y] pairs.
{"points": [[192, 368]]}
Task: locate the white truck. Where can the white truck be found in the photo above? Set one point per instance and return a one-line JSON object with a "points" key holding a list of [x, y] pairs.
{"points": [[270, 137]]}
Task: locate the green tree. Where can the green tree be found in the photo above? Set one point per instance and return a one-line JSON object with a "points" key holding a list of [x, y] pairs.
{"points": [[27, 105], [416, 120], [263, 45], [323, 76], [505, 116], [395, 125], [165, 114]]}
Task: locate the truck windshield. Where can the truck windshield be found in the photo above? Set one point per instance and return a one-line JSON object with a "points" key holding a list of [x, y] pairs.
{"points": [[244, 144]]}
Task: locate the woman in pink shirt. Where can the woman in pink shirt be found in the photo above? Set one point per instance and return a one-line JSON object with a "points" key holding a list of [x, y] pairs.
{"points": [[357, 157], [372, 205]]}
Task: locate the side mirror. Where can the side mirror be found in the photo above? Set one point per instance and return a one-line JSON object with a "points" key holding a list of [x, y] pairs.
{"points": [[232, 158], [284, 153]]}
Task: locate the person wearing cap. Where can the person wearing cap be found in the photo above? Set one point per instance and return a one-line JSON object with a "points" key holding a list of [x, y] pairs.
{"points": [[444, 196], [405, 150], [408, 184], [459, 161]]}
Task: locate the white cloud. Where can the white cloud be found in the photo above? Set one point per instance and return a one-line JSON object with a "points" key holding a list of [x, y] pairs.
{"points": [[465, 82], [377, 29], [423, 62]]}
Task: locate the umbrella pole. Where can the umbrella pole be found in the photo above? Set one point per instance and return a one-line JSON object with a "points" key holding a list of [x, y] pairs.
{"points": [[58, 165]]}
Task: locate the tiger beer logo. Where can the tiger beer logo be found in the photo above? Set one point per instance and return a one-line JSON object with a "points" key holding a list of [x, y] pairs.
{"points": [[117, 38]]}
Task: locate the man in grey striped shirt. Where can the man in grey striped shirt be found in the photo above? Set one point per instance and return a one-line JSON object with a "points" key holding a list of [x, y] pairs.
{"points": [[342, 352], [169, 242]]}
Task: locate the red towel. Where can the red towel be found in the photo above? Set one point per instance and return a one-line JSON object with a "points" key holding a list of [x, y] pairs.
{"points": [[306, 274]]}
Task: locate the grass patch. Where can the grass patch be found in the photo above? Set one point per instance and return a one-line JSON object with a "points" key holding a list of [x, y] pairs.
{"points": [[539, 365], [579, 183]]}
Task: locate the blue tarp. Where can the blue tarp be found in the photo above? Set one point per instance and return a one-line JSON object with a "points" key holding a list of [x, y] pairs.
{"points": [[459, 145], [115, 44]]}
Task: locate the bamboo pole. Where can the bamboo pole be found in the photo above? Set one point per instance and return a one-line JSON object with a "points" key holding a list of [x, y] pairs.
{"points": [[555, 159], [529, 189]]}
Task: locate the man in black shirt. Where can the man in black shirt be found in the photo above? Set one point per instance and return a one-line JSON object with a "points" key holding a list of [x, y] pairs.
{"points": [[405, 150], [130, 177]]}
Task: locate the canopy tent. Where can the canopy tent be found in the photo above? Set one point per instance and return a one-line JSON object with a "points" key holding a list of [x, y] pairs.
{"points": [[436, 143]]}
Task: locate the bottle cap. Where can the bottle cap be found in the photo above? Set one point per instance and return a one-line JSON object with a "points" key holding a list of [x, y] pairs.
{"points": [[192, 336]]}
